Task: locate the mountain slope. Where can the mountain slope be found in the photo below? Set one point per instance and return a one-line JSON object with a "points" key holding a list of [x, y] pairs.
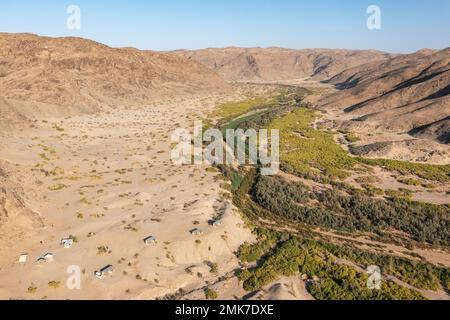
{"points": [[256, 64], [61, 76], [409, 93], [16, 219]]}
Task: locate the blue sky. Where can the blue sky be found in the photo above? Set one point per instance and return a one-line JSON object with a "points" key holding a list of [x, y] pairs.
{"points": [[407, 25]]}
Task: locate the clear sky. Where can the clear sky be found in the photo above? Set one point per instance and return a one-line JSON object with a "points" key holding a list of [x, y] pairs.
{"points": [[406, 25]]}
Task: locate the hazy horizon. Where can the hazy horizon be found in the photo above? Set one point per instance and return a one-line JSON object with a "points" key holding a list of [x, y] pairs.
{"points": [[406, 26]]}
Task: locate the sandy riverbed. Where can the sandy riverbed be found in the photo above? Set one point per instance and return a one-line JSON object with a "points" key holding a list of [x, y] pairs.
{"points": [[114, 186]]}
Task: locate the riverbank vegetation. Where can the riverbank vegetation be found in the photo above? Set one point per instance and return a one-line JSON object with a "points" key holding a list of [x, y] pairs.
{"points": [[289, 215]]}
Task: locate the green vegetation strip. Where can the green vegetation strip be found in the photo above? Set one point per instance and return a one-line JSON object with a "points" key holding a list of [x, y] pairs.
{"points": [[355, 212], [333, 281], [314, 154], [232, 110], [310, 152]]}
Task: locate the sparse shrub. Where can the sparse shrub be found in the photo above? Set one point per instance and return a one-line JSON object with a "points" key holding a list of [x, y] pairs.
{"points": [[57, 187], [32, 289], [210, 294], [54, 284]]}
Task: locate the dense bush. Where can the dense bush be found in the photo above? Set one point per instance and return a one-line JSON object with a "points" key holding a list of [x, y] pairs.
{"points": [[335, 281], [416, 273], [355, 212], [344, 283], [309, 151], [440, 173], [251, 252]]}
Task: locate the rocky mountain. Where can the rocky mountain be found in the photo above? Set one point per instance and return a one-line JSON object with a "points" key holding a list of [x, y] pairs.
{"points": [[63, 76], [259, 64], [15, 216], [405, 94]]}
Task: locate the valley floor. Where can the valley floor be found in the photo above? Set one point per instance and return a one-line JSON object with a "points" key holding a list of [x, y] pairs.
{"points": [[107, 181]]}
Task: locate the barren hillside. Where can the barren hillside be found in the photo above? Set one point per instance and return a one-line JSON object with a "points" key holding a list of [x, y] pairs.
{"points": [[16, 219], [406, 94], [259, 64], [42, 76]]}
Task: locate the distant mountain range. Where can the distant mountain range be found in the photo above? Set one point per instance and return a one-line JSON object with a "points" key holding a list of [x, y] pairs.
{"points": [[41, 76], [396, 93], [408, 93], [252, 64]]}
